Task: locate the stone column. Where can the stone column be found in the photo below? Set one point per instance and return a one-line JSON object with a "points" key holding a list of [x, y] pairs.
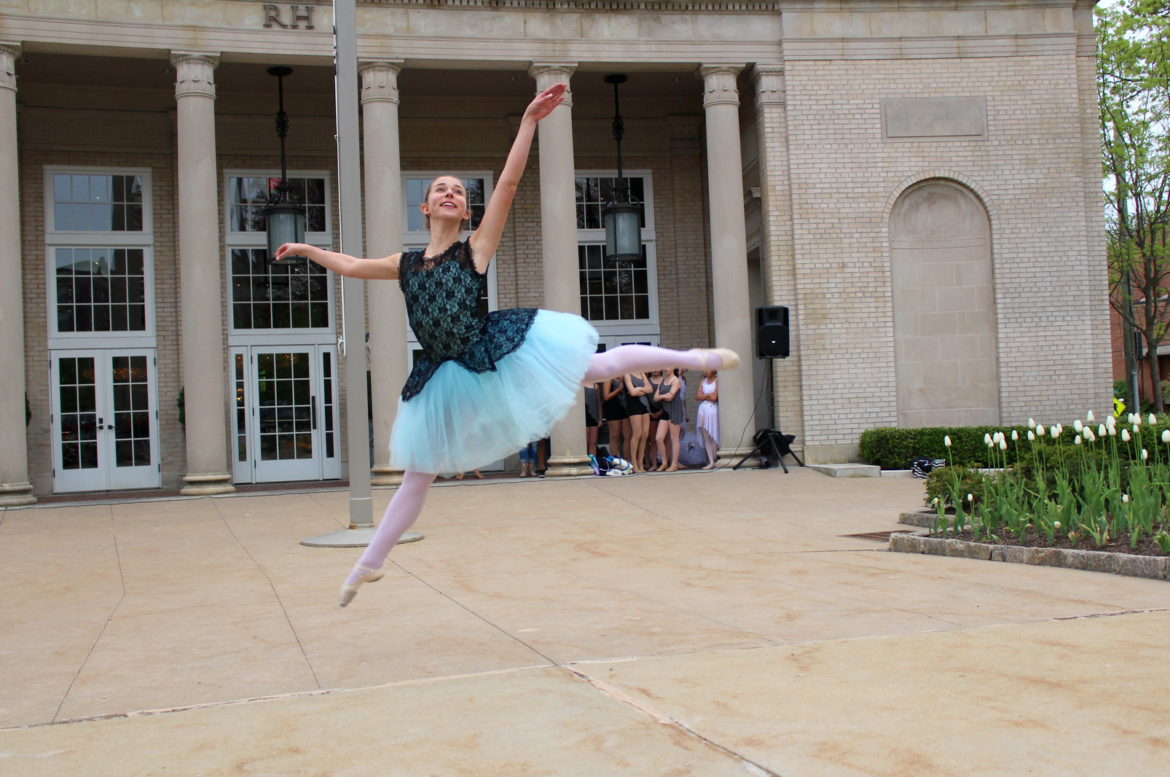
{"points": [[387, 309], [201, 288], [558, 228], [733, 314], [15, 488], [779, 250]]}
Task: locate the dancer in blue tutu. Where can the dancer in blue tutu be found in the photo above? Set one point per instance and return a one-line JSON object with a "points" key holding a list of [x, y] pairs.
{"points": [[484, 387]]}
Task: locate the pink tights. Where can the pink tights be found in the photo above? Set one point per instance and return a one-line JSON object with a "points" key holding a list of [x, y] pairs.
{"points": [[644, 358], [401, 513]]}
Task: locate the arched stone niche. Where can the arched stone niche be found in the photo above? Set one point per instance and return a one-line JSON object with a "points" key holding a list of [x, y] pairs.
{"points": [[946, 360]]}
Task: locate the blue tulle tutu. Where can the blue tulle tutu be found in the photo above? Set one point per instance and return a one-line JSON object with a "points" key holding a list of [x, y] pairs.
{"points": [[462, 420]]}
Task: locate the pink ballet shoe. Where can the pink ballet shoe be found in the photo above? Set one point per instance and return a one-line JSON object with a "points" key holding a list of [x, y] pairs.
{"points": [[729, 359], [349, 590]]}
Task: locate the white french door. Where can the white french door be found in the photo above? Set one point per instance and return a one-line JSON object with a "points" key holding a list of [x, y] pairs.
{"points": [[285, 423], [104, 420]]}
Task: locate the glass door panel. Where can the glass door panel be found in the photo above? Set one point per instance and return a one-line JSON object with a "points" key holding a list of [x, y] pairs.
{"points": [[132, 446], [285, 426], [77, 460]]}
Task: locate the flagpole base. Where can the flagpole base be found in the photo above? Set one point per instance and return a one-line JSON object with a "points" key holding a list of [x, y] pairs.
{"points": [[353, 538]]}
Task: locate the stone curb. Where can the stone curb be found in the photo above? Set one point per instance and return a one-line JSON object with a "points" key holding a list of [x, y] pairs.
{"points": [[1150, 567], [924, 519]]}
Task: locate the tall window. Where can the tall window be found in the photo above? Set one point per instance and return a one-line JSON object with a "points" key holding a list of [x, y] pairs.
{"points": [[99, 240], [250, 194], [622, 298], [267, 298]]}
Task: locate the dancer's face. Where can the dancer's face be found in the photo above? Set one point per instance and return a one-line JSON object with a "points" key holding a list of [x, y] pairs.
{"points": [[446, 200]]}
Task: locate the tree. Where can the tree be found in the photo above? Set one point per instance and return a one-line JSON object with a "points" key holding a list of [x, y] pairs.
{"points": [[1133, 85]]}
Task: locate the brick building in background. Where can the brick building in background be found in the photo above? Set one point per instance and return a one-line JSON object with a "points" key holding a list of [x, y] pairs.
{"points": [[920, 187]]}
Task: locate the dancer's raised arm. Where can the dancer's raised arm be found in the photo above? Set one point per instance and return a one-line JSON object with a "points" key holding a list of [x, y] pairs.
{"points": [[384, 269], [491, 226]]}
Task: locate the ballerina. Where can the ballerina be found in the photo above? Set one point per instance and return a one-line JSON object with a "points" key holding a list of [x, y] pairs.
{"points": [[483, 387]]}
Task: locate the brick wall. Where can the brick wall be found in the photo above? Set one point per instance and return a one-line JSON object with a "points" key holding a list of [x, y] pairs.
{"points": [[1029, 172]]}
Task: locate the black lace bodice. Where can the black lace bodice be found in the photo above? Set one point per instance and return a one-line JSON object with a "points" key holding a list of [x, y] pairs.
{"points": [[442, 299]]}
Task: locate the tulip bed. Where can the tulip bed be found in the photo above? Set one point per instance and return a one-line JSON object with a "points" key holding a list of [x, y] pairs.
{"points": [[1097, 486]]}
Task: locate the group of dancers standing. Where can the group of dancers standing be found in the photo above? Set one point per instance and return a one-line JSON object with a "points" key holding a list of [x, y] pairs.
{"points": [[483, 386], [645, 414]]}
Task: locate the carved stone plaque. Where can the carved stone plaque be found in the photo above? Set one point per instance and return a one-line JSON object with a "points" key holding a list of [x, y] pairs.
{"points": [[934, 118]]}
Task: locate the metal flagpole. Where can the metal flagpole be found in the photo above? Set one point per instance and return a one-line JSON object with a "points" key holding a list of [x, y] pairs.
{"points": [[353, 312]]}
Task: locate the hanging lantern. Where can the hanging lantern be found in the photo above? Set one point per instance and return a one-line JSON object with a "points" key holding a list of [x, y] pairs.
{"points": [[283, 218], [623, 233], [623, 219], [285, 221]]}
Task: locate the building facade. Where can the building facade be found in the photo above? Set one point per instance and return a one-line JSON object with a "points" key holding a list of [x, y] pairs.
{"points": [[918, 183]]}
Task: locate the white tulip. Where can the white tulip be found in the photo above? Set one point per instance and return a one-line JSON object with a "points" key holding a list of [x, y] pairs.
{"points": [[1015, 435], [970, 498], [1166, 435], [1145, 455], [947, 441], [1032, 436], [1125, 499], [1003, 445], [1055, 431], [1110, 421], [1129, 418], [1060, 428], [1153, 419], [1125, 435], [1089, 416], [1031, 424], [1113, 431], [1101, 430], [1077, 441], [1056, 524], [1089, 436], [987, 439], [1039, 430], [1078, 425]]}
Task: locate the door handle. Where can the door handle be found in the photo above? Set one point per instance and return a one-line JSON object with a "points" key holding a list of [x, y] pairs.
{"points": [[313, 404], [100, 422]]}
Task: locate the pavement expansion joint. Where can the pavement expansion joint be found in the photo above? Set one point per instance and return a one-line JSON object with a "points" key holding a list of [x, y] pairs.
{"points": [[105, 625], [666, 720]]}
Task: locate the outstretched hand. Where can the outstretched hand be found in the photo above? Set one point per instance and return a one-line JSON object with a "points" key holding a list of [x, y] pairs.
{"points": [[544, 103], [293, 249]]}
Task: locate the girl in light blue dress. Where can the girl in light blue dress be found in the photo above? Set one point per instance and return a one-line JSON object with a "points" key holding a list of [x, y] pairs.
{"points": [[483, 387]]}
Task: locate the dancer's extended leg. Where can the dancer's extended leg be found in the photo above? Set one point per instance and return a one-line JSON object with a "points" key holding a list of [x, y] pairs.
{"points": [[647, 358], [402, 512]]}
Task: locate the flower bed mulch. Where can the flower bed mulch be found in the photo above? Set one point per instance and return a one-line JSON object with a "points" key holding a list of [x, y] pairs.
{"points": [[1155, 567]]}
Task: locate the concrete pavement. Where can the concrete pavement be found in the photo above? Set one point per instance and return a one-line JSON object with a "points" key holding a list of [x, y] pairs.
{"points": [[698, 624]]}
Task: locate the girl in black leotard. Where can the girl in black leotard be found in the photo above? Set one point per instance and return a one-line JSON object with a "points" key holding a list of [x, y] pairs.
{"points": [[637, 387], [617, 419]]}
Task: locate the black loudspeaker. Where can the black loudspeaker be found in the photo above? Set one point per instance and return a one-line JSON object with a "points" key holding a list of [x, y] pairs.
{"points": [[772, 333]]}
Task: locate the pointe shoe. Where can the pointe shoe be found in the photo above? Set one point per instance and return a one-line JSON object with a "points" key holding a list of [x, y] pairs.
{"points": [[728, 357], [349, 590]]}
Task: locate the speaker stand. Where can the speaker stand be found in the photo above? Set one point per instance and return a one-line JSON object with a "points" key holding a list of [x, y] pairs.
{"points": [[772, 444]]}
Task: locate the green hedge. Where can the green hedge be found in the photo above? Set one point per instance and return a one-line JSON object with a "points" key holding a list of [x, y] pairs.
{"points": [[892, 448]]}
